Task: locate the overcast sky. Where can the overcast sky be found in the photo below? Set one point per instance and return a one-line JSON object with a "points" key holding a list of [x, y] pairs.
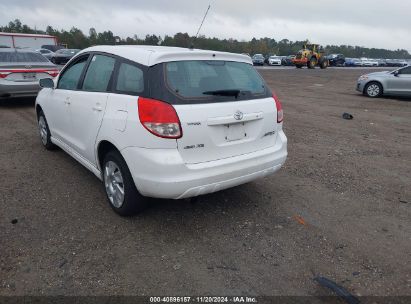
{"points": [[370, 23]]}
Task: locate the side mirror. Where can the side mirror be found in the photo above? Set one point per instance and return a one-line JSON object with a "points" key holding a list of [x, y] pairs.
{"points": [[46, 83]]}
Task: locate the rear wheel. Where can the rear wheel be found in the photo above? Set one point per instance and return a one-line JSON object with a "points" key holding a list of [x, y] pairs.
{"points": [[373, 90], [312, 63], [121, 191], [44, 131], [299, 66]]}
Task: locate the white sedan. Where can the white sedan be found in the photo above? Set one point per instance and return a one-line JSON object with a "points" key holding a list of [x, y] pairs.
{"points": [[274, 60]]}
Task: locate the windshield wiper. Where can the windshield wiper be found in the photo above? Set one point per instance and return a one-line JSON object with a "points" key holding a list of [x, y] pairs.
{"points": [[223, 93]]}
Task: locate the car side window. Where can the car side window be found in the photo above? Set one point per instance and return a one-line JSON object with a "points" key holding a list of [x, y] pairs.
{"points": [[70, 78], [130, 79], [99, 73], [405, 71]]}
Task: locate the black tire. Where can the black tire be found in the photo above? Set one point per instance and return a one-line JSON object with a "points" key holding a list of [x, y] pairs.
{"points": [[299, 66], [373, 90], [324, 64], [44, 132], [312, 63], [133, 202]]}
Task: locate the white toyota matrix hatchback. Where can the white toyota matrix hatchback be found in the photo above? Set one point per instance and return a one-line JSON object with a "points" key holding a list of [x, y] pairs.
{"points": [[163, 122]]}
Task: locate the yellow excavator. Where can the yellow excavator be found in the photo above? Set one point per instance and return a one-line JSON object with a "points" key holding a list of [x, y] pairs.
{"points": [[311, 55]]}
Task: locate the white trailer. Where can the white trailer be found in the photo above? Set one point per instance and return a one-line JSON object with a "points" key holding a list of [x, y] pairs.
{"points": [[31, 41]]}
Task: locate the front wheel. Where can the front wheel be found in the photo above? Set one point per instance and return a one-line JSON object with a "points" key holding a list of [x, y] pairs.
{"points": [[324, 64], [121, 191], [373, 90], [299, 66]]}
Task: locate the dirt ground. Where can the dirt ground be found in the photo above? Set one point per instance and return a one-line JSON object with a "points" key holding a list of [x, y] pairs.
{"points": [[340, 208]]}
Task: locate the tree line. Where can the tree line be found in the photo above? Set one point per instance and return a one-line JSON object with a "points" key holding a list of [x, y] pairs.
{"points": [[75, 38]]}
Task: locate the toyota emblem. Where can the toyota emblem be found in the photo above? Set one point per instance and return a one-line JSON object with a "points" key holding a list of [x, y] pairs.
{"points": [[238, 115]]}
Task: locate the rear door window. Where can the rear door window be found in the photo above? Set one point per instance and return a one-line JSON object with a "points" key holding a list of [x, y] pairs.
{"points": [[130, 79], [196, 79], [99, 73]]}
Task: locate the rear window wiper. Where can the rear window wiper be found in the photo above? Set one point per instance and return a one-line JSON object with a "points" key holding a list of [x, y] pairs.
{"points": [[223, 93]]}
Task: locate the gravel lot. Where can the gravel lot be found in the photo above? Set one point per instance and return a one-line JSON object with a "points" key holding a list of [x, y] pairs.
{"points": [[340, 208]]}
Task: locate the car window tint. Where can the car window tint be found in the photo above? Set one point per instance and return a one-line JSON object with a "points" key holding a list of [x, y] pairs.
{"points": [[71, 76], [130, 79], [99, 73], [406, 71], [21, 57], [193, 78]]}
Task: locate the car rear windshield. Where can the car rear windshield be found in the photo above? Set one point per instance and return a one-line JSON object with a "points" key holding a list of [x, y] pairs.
{"points": [[213, 80], [21, 57]]}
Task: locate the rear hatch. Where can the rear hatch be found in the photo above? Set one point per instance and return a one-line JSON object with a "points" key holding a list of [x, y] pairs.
{"points": [[222, 130], [225, 109], [19, 66]]}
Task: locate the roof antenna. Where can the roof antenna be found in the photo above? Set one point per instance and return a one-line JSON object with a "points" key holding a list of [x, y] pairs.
{"points": [[201, 25]]}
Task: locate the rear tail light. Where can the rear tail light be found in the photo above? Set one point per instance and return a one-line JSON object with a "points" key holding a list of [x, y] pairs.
{"points": [[52, 73], [280, 113], [159, 118], [4, 74]]}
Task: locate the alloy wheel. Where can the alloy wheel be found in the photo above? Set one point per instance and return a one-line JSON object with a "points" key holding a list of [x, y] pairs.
{"points": [[114, 184], [373, 90], [43, 130]]}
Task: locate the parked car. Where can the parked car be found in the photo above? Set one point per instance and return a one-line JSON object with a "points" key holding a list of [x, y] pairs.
{"points": [[369, 62], [52, 47], [258, 59], [352, 62], [336, 59], [63, 56], [46, 53], [163, 122], [20, 71], [397, 82], [396, 62], [288, 60], [382, 62], [274, 60]]}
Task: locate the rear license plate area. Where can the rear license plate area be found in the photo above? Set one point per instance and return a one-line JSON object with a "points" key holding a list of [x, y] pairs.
{"points": [[235, 132], [29, 76]]}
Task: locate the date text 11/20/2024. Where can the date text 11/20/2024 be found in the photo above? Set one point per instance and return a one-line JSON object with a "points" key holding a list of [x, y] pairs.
{"points": [[240, 299]]}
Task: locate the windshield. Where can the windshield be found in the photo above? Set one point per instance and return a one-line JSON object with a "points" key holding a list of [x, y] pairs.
{"points": [[258, 56], [22, 57], [200, 79]]}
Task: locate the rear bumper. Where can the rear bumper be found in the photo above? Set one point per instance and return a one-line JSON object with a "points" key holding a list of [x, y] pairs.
{"points": [[162, 173], [12, 89]]}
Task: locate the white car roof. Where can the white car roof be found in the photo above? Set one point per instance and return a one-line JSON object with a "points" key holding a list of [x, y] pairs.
{"points": [[151, 55]]}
